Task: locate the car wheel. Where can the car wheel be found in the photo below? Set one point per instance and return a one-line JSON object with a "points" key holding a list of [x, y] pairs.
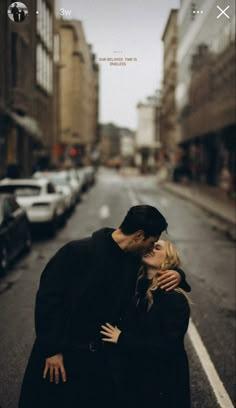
{"points": [[3, 259], [28, 241]]}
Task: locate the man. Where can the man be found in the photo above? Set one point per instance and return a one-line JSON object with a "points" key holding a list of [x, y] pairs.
{"points": [[15, 12], [88, 283]]}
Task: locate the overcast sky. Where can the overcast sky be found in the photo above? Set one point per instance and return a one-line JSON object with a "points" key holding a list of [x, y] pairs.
{"points": [[125, 28]]}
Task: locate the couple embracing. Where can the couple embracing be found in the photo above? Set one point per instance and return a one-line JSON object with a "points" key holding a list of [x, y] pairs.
{"points": [[110, 318]]}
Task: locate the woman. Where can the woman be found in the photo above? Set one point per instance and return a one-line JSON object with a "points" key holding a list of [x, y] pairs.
{"points": [[22, 16], [152, 337]]}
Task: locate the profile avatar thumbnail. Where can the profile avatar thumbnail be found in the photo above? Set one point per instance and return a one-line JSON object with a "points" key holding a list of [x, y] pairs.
{"points": [[17, 12]]}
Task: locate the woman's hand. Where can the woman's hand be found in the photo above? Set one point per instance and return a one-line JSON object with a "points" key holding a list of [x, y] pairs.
{"points": [[169, 280], [112, 333], [55, 366]]}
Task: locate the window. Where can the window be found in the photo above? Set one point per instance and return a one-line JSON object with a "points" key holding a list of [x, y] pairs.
{"points": [[56, 48], [50, 188], [21, 190], [233, 23], [38, 65], [14, 61], [44, 72], [39, 16], [44, 24]]}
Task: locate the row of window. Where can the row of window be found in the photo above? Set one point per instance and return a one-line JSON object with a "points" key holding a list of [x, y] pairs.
{"points": [[44, 73], [224, 38], [44, 23]]}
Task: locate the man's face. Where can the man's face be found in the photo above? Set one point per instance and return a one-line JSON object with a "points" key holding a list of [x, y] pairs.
{"points": [[157, 256], [146, 245]]}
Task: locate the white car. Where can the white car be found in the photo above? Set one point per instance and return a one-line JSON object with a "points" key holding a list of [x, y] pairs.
{"points": [[89, 175], [81, 173], [39, 198], [65, 175], [62, 186], [74, 176]]}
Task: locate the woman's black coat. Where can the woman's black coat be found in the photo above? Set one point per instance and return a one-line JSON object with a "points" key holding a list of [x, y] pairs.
{"points": [[87, 283], [152, 342]]}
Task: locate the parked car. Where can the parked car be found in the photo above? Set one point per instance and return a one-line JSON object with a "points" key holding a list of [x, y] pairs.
{"points": [[62, 186], [43, 205], [90, 175], [64, 175], [81, 172], [77, 180], [15, 235]]}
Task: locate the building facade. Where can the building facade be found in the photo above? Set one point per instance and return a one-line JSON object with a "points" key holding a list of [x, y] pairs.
{"points": [[147, 139], [79, 92], [56, 147], [127, 147], [170, 131], [206, 91], [117, 145], [46, 77], [110, 144], [26, 109]]}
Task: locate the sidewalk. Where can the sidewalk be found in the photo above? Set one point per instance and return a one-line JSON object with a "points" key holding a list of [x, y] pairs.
{"points": [[212, 200]]}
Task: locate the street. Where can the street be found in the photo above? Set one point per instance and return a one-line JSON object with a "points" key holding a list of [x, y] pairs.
{"points": [[208, 261]]}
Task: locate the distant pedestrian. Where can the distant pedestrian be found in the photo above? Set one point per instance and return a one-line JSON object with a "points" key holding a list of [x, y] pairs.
{"points": [[87, 283], [156, 372], [15, 12], [22, 16]]}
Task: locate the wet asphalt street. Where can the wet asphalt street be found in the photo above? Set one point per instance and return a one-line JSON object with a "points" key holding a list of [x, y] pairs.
{"points": [[208, 260]]}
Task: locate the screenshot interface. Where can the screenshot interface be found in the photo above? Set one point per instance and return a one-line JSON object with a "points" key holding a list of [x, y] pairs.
{"points": [[106, 105]]}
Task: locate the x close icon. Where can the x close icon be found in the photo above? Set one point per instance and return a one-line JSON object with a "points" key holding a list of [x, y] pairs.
{"points": [[223, 12]]}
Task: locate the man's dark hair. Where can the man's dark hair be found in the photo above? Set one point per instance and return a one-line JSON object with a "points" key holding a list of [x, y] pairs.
{"points": [[146, 218]]}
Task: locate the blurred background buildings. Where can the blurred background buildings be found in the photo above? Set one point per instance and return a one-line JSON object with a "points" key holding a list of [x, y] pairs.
{"points": [[26, 95], [170, 129], [79, 92], [148, 133], [48, 94], [206, 93], [50, 89], [117, 146]]}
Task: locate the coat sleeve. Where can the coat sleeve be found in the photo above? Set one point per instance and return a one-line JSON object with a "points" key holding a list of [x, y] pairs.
{"points": [[50, 312], [183, 283], [169, 341]]}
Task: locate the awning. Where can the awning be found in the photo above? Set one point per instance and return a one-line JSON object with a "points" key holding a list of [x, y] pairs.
{"points": [[29, 124]]}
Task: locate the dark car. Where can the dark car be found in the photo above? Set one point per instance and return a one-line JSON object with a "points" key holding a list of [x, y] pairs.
{"points": [[15, 235]]}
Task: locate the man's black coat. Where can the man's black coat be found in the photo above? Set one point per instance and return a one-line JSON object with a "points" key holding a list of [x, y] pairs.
{"points": [[87, 283]]}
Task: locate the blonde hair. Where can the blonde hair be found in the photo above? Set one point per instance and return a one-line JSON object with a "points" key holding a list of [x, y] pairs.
{"points": [[172, 260]]}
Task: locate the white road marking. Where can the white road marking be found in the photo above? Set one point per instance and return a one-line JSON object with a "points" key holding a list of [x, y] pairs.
{"points": [[218, 388], [104, 212], [217, 385], [133, 198]]}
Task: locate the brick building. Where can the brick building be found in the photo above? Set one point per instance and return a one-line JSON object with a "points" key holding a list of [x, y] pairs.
{"points": [[79, 92], [169, 123], [26, 91]]}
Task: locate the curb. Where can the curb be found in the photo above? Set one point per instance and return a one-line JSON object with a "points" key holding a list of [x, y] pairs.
{"points": [[223, 222]]}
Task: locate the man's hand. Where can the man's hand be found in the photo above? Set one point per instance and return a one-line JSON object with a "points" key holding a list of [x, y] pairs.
{"points": [[55, 366], [169, 280], [112, 333]]}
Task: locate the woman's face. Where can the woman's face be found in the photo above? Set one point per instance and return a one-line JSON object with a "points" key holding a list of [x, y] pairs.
{"points": [[157, 256]]}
